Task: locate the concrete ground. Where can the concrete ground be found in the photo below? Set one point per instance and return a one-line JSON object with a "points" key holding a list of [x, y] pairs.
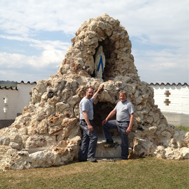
{"points": [[108, 152]]}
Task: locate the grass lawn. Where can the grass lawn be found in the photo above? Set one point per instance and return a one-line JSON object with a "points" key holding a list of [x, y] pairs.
{"points": [[186, 129], [134, 173]]}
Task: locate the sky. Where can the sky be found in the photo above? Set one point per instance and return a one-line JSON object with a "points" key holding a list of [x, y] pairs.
{"points": [[35, 35]]}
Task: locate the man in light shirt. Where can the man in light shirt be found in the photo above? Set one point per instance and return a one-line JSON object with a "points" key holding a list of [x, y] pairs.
{"points": [[124, 111], [89, 140]]}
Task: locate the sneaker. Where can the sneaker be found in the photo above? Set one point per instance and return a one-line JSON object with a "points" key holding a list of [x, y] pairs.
{"points": [[92, 160], [108, 143]]}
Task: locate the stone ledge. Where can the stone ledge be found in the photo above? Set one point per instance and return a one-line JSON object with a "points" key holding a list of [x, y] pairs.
{"points": [[109, 152]]}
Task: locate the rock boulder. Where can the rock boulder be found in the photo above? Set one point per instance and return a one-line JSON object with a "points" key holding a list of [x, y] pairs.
{"points": [[48, 132]]}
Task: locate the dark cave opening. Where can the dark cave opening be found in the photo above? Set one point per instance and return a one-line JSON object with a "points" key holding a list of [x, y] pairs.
{"points": [[101, 111]]}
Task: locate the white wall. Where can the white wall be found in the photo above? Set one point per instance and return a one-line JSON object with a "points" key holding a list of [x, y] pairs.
{"points": [[179, 98], [11, 104], [23, 95], [17, 99], [177, 112]]}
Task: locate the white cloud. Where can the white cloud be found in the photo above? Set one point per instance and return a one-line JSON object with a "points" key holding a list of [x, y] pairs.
{"points": [[31, 68], [164, 22], [46, 44], [163, 59], [53, 52], [47, 58], [142, 17], [162, 66], [13, 66], [161, 22]]}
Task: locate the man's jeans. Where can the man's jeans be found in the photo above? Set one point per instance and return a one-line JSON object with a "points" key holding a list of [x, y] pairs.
{"points": [[89, 142], [122, 127]]}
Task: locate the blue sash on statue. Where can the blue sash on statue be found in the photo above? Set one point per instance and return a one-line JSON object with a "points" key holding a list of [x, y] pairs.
{"points": [[100, 64]]}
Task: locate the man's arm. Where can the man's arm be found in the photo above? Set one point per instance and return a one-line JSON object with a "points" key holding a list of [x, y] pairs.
{"points": [[99, 89], [86, 117], [110, 115], [130, 123]]}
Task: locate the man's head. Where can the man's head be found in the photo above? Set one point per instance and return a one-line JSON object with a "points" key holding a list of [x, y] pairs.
{"points": [[89, 93], [122, 96]]}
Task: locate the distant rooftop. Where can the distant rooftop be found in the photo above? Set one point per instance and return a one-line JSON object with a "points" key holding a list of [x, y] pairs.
{"points": [[171, 84], [12, 85]]}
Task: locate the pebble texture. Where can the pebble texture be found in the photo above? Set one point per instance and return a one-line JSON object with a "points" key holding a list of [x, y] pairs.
{"points": [[48, 132]]}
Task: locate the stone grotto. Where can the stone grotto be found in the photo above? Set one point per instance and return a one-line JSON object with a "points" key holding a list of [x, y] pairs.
{"points": [[48, 132]]}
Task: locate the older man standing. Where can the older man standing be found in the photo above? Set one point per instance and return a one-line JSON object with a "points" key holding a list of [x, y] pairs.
{"points": [[89, 140], [124, 111]]}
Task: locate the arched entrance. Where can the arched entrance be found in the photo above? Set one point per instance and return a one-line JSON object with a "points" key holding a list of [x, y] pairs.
{"points": [[101, 110]]}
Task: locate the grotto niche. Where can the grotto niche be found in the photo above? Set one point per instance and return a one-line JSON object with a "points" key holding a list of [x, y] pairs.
{"points": [[101, 110], [48, 132]]}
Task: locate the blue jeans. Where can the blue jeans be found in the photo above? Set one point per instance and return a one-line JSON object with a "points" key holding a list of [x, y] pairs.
{"points": [[89, 142], [122, 127]]}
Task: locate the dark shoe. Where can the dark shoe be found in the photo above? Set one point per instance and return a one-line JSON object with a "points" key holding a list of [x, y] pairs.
{"points": [[92, 160], [123, 159], [108, 143], [82, 160]]}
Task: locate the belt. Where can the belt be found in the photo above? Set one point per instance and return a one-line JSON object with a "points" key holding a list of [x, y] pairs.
{"points": [[84, 120], [122, 121]]}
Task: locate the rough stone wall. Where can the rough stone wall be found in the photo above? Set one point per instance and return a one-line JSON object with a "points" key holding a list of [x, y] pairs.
{"points": [[48, 133]]}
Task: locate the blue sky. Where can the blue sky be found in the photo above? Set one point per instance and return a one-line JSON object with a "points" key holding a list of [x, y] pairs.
{"points": [[35, 35]]}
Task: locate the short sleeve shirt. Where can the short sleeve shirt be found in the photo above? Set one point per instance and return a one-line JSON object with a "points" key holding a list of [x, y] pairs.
{"points": [[123, 110], [86, 105]]}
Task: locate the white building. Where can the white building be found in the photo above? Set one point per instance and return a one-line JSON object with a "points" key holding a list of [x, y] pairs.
{"points": [[173, 101], [12, 101]]}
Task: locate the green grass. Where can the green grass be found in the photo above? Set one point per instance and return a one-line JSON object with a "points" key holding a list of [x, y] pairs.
{"points": [[134, 173], [186, 129]]}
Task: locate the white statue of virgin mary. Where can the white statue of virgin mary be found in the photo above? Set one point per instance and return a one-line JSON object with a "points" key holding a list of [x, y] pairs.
{"points": [[99, 63]]}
